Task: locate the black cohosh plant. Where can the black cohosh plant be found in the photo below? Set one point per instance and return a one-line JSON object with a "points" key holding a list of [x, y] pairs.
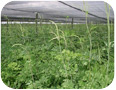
{"points": [[27, 56], [108, 25], [58, 37], [89, 34], [37, 65]]}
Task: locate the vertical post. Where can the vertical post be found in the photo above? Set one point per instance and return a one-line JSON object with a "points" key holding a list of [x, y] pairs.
{"points": [[36, 21], [1, 22], [7, 24], [41, 22], [72, 23]]}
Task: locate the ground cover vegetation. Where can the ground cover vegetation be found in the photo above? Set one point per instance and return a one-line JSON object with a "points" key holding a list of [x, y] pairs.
{"points": [[57, 56]]}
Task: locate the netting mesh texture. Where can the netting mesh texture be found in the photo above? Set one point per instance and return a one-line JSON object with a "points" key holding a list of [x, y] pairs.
{"points": [[58, 11]]}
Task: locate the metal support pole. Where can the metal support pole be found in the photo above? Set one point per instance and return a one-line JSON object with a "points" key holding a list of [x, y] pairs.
{"points": [[36, 21], [72, 23]]}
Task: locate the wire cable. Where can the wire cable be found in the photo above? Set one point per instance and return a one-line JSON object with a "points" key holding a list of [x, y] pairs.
{"points": [[81, 10]]}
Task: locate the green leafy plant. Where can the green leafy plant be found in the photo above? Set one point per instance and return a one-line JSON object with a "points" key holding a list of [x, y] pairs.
{"points": [[56, 58]]}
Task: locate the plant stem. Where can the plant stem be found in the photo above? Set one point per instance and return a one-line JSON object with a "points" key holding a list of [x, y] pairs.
{"points": [[99, 54], [108, 25], [90, 42]]}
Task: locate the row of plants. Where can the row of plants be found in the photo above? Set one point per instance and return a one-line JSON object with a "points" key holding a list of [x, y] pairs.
{"points": [[57, 56]]}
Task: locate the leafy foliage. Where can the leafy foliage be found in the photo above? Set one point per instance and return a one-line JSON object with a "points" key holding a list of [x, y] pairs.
{"points": [[56, 59]]}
